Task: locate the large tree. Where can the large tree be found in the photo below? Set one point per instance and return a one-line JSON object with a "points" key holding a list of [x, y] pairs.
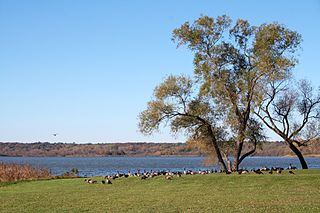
{"points": [[293, 113], [177, 104], [234, 63]]}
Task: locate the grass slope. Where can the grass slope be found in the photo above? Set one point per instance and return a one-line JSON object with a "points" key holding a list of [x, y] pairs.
{"points": [[208, 193]]}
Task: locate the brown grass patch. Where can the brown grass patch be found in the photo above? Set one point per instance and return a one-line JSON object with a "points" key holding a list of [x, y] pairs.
{"points": [[15, 172]]}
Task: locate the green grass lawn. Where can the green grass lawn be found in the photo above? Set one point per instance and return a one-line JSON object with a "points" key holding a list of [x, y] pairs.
{"points": [[199, 193]]}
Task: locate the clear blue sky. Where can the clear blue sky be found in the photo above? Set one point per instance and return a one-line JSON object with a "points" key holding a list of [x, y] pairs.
{"points": [[85, 69]]}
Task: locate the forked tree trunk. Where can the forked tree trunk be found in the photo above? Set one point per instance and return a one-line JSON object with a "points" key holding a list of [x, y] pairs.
{"points": [[248, 153], [296, 151], [239, 146]]}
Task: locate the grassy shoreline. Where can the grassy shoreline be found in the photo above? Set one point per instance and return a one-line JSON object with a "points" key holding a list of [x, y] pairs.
{"points": [[199, 193]]}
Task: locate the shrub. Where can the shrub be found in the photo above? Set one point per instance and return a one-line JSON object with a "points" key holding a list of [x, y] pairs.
{"points": [[15, 172]]}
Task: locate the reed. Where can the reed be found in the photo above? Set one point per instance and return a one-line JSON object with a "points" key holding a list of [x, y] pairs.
{"points": [[14, 172]]}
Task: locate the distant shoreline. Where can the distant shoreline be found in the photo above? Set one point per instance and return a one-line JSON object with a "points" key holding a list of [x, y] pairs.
{"points": [[139, 149], [84, 156]]}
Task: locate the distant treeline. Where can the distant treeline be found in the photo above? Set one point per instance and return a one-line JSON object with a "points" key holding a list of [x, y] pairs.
{"points": [[133, 149]]}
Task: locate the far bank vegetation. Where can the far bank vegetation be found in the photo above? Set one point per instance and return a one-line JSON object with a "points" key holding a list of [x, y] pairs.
{"points": [[136, 149]]}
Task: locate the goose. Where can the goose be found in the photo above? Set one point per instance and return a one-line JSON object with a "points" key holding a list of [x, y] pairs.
{"points": [[291, 172], [92, 181], [258, 172], [168, 177], [87, 180], [184, 171], [114, 177], [203, 172], [143, 177], [153, 175], [291, 167]]}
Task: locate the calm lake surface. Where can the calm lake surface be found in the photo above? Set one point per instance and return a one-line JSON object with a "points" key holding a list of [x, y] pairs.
{"points": [[94, 166]]}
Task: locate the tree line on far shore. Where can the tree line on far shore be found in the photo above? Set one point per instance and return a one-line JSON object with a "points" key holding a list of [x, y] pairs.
{"points": [[137, 149]]}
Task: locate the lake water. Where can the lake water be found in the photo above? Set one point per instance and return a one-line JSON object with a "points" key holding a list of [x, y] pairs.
{"points": [[94, 166]]}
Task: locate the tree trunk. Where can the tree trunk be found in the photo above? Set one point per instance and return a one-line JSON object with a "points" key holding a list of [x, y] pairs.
{"points": [[217, 150], [299, 155], [239, 145], [237, 153], [218, 153], [229, 165]]}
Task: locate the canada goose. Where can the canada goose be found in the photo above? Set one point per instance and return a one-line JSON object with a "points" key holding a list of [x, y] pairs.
{"points": [[108, 181], [153, 175], [258, 172], [203, 172], [168, 177], [291, 167], [92, 181], [143, 177], [188, 172], [291, 172], [103, 182], [279, 171]]}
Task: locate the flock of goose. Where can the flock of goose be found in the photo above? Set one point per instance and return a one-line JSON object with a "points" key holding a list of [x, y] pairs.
{"points": [[264, 170], [170, 175]]}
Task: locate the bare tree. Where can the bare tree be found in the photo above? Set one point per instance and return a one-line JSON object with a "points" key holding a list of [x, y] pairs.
{"points": [[293, 113]]}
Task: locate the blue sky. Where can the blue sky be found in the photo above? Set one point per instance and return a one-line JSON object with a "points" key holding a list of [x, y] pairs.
{"points": [[85, 69]]}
